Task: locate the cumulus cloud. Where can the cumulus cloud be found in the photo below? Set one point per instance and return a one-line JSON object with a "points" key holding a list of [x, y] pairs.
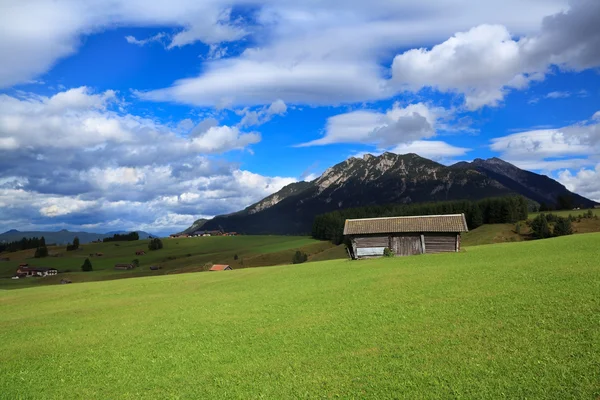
{"points": [[70, 159], [397, 125], [485, 62], [77, 118], [585, 181], [316, 56]]}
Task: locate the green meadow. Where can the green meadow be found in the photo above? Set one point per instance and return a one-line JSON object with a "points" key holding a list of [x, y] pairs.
{"points": [[513, 320]]}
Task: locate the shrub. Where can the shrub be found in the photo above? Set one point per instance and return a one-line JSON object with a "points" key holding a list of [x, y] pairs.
{"points": [[155, 244], [87, 265], [387, 252], [518, 228], [562, 227], [136, 263], [590, 214], [41, 252], [540, 227], [235, 257], [299, 257]]}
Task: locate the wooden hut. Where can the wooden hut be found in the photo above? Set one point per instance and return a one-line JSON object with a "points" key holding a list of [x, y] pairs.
{"points": [[405, 236], [220, 267], [124, 266]]}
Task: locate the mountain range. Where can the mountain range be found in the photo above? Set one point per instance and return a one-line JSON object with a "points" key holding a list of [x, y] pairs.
{"points": [[62, 237], [385, 179]]}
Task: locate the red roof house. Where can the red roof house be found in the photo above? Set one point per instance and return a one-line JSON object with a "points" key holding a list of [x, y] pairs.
{"points": [[220, 267]]}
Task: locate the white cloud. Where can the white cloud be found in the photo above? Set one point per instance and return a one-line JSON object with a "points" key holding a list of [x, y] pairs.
{"points": [[478, 63], [572, 146], [263, 114], [142, 42], [432, 149], [485, 62], [216, 51], [222, 138], [319, 55], [558, 95], [212, 27], [104, 167], [585, 182], [78, 119], [540, 144], [395, 126]]}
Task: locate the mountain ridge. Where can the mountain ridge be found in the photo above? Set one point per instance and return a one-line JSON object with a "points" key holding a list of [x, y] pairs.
{"points": [[385, 179]]}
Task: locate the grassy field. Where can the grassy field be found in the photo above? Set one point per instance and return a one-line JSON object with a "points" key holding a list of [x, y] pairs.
{"points": [[501, 233], [177, 256], [514, 320], [566, 213]]}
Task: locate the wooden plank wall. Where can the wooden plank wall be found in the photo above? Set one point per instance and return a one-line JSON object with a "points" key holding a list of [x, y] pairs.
{"points": [[440, 243], [406, 245], [372, 241]]}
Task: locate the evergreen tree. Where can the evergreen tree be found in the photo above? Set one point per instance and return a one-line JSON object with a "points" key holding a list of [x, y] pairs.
{"points": [[155, 244], [562, 227], [41, 252], [75, 243], [540, 227], [87, 265]]}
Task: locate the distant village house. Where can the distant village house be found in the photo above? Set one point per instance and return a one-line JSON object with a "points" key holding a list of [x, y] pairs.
{"points": [[27, 272], [124, 266], [220, 267], [140, 253], [404, 236]]}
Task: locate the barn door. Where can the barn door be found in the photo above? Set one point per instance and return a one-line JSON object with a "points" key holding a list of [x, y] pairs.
{"points": [[406, 245]]}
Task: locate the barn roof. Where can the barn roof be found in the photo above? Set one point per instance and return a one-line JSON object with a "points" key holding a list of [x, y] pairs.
{"points": [[219, 267], [419, 223]]}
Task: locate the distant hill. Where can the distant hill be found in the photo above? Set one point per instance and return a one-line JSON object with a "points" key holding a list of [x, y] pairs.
{"points": [[389, 178], [61, 237]]}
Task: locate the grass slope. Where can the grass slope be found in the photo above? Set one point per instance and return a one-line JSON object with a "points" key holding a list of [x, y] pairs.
{"points": [[177, 256], [515, 320]]}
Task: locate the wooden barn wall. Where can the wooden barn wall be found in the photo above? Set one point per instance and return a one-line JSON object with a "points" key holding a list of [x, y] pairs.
{"points": [[409, 244], [372, 241], [406, 245], [440, 243]]}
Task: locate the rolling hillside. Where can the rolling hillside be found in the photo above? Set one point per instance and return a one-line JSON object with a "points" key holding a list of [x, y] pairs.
{"points": [[177, 256]]}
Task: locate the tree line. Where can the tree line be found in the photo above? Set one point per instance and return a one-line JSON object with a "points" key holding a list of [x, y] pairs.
{"points": [[23, 244], [125, 237], [509, 209]]}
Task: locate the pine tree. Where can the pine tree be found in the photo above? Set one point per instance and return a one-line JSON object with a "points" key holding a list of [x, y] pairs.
{"points": [[87, 265], [562, 227]]}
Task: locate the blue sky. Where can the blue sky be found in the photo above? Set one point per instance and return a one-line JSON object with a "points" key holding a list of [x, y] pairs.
{"points": [[143, 115]]}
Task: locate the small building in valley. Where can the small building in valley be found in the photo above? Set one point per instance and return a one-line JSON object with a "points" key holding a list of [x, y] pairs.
{"points": [[27, 272], [140, 253], [124, 266], [220, 267], [405, 236]]}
